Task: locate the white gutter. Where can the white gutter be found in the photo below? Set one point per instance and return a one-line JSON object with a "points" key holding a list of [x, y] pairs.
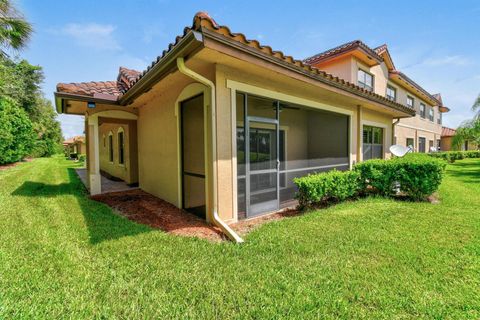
{"points": [[216, 218]]}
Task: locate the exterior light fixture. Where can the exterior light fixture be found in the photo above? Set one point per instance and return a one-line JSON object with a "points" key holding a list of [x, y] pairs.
{"points": [[91, 105]]}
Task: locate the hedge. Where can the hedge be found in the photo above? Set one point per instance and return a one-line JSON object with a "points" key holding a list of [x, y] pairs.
{"points": [[451, 156], [416, 176], [334, 185]]}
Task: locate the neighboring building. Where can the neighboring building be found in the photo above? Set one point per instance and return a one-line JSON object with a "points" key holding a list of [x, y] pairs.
{"points": [[220, 125], [75, 146], [446, 141], [374, 70]]}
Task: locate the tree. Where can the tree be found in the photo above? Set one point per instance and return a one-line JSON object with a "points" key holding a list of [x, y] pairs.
{"points": [[47, 128], [468, 131], [15, 31], [476, 106], [16, 132]]}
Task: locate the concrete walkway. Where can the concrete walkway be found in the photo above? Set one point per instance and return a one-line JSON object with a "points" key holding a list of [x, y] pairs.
{"points": [[107, 184]]}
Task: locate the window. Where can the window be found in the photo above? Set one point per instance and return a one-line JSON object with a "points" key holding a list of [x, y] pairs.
{"points": [[430, 146], [438, 144], [410, 143], [422, 110], [121, 147], [104, 141], [410, 102], [391, 93], [365, 80], [421, 144], [430, 114], [439, 119], [110, 147], [372, 143]]}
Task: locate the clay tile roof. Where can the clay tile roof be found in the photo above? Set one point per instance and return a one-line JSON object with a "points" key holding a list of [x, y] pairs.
{"points": [[380, 49], [127, 77], [94, 88], [448, 132], [438, 96], [340, 49]]}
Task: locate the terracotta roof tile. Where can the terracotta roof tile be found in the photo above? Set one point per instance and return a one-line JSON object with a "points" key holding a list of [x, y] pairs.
{"points": [[448, 132], [340, 49], [94, 88], [203, 21]]}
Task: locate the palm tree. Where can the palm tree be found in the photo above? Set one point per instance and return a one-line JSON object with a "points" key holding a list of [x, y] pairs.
{"points": [[476, 106], [15, 31], [468, 131]]}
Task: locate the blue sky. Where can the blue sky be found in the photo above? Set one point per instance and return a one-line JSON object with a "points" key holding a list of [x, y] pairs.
{"points": [[437, 44]]}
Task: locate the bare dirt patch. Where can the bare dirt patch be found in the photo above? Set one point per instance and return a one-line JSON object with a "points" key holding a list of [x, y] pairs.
{"points": [[245, 226]]}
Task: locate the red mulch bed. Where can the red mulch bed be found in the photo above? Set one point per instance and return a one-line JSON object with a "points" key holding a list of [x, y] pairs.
{"points": [[11, 165], [142, 207]]}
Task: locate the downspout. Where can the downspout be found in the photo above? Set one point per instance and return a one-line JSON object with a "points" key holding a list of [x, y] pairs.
{"points": [[393, 128], [216, 218]]}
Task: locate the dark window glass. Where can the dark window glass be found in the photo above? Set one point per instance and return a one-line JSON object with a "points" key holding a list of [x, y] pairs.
{"points": [[421, 145], [121, 145], [372, 143], [110, 148]]}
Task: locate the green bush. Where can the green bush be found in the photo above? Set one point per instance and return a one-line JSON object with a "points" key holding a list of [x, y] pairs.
{"points": [[16, 132], [451, 156], [319, 188], [82, 157], [417, 175]]}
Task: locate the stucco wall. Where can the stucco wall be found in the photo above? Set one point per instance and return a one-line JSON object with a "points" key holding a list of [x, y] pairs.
{"points": [[121, 171]]}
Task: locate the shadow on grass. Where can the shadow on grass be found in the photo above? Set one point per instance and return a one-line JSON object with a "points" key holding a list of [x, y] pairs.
{"points": [[465, 171], [101, 222]]}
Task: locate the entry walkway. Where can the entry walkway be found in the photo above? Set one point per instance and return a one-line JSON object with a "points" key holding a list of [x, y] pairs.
{"points": [[107, 184]]}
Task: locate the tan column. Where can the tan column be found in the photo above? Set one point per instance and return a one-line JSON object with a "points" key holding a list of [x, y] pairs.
{"points": [[359, 134], [94, 178]]}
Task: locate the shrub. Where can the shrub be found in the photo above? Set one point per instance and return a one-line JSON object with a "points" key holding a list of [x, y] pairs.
{"points": [[16, 132], [327, 186], [418, 175], [451, 156], [82, 157]]}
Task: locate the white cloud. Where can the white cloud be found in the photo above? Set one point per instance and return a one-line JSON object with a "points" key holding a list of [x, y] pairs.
{"points": [[455, 60], [92, 35]]}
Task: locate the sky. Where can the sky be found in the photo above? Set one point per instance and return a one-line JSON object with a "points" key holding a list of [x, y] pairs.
{"points": [[436, 43]]}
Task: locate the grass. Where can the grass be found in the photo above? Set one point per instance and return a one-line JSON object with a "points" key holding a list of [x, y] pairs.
{"points": [[65, 256]]}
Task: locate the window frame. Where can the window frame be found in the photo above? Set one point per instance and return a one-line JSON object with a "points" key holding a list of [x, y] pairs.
{"points": [[439, 118], [372, 137], [363, 84], [412, 144], [392, 88], [423, 112], [431, 114], [413, 102], [424, 144]]}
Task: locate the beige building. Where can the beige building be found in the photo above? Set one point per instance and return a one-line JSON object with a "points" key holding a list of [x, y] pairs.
{"points": [[220, 125], [447, 140], [75, 146], [374, 70]]}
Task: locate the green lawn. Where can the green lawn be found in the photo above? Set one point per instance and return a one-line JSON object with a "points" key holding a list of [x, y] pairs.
{"points": [[64, 256]]}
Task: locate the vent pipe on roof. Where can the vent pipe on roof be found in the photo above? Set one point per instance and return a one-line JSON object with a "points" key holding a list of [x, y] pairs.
{"points": [[215, 217]]}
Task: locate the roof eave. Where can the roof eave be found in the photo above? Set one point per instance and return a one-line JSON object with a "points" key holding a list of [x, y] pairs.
{"points": [[293, 67], [61, 97], [191, 43]]}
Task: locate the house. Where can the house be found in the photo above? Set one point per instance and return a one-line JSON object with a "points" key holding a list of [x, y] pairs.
{"points": [[75, 146], [373, 69], [219, 125], [447, 139]]}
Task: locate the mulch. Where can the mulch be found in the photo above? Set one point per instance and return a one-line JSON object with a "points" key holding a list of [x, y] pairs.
{"points": [[142, 207], [14, 164]]}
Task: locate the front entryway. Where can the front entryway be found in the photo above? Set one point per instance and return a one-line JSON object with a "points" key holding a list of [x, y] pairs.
{"points": [[193, 155]]}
